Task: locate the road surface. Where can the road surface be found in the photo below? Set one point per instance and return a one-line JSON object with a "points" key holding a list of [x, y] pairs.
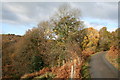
{"points": [[101, 68]]}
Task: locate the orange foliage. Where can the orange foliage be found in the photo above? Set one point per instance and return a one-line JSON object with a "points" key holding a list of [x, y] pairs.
{"points": [[113, 52], [87, 52], [60, 72], [113, 56]]}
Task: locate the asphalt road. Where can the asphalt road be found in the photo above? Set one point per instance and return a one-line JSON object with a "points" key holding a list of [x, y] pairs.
{"points": [[101, 68]]}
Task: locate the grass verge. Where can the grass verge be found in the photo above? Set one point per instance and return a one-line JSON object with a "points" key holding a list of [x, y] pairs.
{"points": [[85, 73]]}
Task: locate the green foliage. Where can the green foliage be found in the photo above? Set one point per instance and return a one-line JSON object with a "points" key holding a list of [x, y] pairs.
{"points": [[57, 54], [116, 38], [118, 60], [37, 63], [104, 40], [28, 52], [67, 23], [107, 39], [85, 73], [65, 26]]}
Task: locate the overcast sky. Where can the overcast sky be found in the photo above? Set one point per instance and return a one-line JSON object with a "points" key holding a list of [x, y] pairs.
{"points": [[21, 16]]}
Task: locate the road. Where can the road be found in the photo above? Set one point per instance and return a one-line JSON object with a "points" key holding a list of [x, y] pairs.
{"points": [[101, 68]]}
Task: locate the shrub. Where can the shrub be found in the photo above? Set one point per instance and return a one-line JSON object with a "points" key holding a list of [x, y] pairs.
{"points": [[28, 52], [37, 63]]}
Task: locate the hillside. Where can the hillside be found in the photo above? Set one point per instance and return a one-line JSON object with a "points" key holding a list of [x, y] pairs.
{"points": [[42, 54], [8, 48]]}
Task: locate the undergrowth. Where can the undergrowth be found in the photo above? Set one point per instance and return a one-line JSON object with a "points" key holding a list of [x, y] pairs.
{"points": [[85, 73]]}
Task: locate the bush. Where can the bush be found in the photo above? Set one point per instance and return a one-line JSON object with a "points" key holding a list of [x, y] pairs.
{"points": [[28, 52], [37, 63]]}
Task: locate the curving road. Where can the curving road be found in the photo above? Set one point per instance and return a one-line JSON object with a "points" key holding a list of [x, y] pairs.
{"points": [[101, 68]]}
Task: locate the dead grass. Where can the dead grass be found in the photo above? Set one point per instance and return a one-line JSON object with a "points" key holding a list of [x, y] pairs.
{"points": [[113, 57]]}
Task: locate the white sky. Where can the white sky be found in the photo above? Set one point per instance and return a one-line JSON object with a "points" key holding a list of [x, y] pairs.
{"points": [[17, 17]]}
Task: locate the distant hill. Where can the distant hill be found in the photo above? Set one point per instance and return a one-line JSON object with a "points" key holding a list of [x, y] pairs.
{"points": [[8, 48]]}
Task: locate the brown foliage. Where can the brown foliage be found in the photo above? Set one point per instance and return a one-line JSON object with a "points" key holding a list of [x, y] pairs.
{"points": [[41, 72], [32, 44], [8, 48], [60, 72], [113, 52], [87, 52], [113, 56]]}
